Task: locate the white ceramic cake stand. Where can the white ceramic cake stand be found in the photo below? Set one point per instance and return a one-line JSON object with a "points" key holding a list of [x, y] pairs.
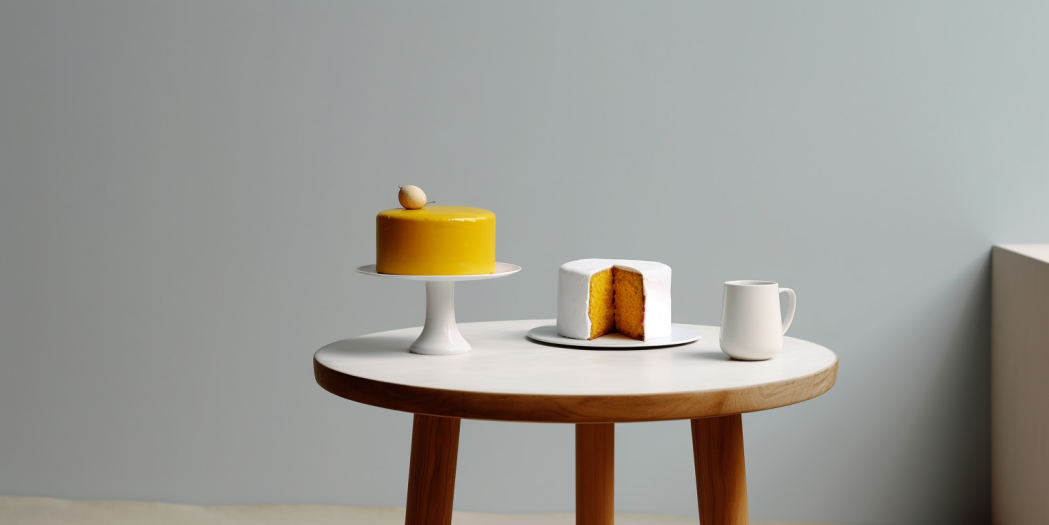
{"points": [[440, 335]]}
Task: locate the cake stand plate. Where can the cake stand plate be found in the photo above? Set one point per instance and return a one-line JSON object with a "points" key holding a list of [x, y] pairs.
{"points": [[679, 335], [440, 335]]}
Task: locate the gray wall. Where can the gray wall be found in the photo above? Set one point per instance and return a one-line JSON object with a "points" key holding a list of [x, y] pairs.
{"points": [[185, 188]]}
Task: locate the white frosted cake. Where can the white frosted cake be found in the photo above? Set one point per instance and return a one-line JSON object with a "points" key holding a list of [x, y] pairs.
{"points": [[598, 296]]}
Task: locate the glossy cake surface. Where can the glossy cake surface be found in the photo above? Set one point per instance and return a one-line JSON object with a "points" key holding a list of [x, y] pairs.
{"points": [[435, 240]]}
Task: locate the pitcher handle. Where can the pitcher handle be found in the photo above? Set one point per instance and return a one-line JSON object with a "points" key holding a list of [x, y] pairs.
{"points": [[790, 308]]}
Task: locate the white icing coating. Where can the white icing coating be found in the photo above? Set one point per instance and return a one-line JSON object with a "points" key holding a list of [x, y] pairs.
{"points": [[573, 295]]}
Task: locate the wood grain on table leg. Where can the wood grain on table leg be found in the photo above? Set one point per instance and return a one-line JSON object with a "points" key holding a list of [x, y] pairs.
{"points": [[431, 476], [595, 456], [721, 476]]}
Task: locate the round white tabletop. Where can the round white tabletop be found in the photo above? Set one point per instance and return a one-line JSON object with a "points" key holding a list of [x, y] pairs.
{"points": [[509, 377]]}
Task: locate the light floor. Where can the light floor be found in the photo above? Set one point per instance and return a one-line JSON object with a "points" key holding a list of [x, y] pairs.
{"points": [[19, 510]]}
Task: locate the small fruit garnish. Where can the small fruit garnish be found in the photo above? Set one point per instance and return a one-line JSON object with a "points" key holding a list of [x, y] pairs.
{"points": [[411, 197]]}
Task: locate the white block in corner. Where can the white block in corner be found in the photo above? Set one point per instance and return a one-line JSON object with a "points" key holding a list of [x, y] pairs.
{"points": [[1020, 384]]}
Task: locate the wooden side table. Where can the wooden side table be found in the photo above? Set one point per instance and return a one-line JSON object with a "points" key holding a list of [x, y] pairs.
{"points": [[509, 378]]}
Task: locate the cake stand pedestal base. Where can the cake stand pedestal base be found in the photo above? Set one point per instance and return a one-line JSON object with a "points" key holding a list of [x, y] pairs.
{"points": [[440, 335]]}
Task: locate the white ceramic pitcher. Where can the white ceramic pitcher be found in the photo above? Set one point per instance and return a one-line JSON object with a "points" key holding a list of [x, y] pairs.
{"points": [[751, 327]]}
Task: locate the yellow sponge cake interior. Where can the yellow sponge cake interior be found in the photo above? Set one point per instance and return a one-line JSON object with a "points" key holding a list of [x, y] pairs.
{"points": [[629, 293], [602, 307]]}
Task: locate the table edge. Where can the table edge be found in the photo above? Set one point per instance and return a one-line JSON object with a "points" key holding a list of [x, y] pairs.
{"points": [[558, 408]]}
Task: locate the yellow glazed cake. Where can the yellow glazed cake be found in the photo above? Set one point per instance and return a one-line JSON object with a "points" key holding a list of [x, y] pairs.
{"points": [[598, 296], [435, 240]]}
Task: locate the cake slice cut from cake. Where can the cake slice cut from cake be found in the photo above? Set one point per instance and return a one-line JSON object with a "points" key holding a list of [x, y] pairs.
{"points": [[598, 296]]}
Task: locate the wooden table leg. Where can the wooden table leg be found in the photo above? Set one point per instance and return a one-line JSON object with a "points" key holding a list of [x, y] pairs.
{"points": [[431, 476], [721, 476], [595, 456]]}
